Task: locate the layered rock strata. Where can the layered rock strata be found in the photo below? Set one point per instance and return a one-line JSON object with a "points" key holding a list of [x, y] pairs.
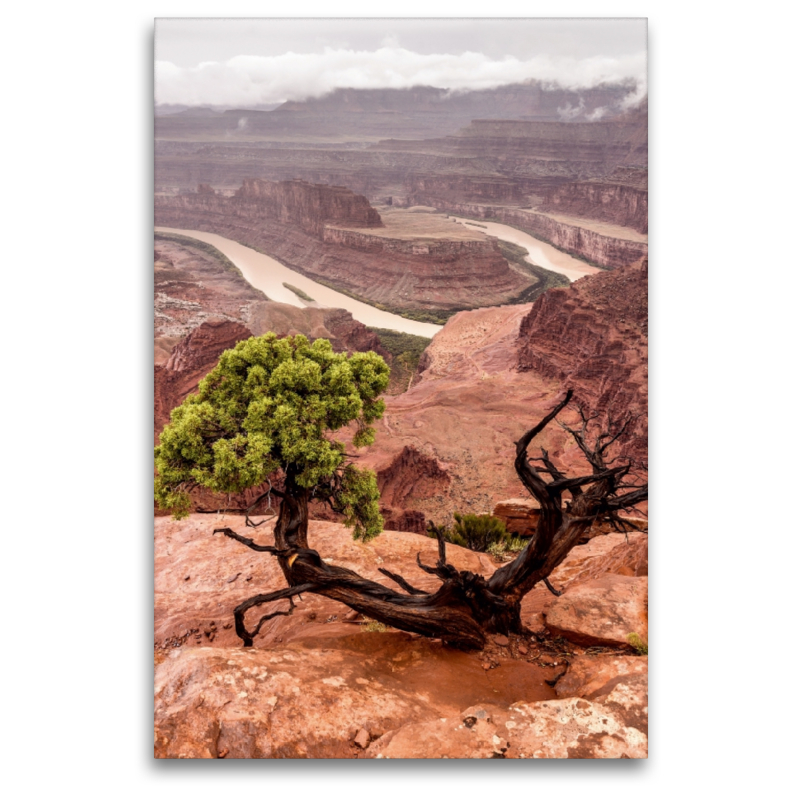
{"points": [[574, 237], [600, 200], [490, 374], [432, 274], [592, 337]]}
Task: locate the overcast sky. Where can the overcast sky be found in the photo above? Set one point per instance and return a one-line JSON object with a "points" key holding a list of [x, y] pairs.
{"points": [[235, 61]]}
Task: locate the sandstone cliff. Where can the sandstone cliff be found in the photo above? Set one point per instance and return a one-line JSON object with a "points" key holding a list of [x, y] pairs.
{"points": [[592, 336], [429, 274], [309, 206], [574, 237], [601, 200], [490, 374]]}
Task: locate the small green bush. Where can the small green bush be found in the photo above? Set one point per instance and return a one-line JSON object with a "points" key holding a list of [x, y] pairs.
{"points": [[637, 643], [373, 626], [480, 531], [476, 532]]}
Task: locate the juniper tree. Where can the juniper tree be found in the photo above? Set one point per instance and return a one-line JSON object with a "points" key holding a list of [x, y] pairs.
{"points": [[268, 412]]}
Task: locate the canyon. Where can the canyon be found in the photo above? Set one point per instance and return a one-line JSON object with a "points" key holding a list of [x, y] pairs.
{"points": [[357, 191], [312, 231], [447, 444], [528, 171]]}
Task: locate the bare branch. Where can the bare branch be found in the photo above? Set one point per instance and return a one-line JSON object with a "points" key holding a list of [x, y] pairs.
{"points": [[261, 548], [401, 581], [259, 599], [552, 588]]}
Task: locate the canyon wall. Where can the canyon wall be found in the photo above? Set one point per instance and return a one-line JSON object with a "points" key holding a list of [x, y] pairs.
{"points": [[442, 250], [309, 206], [592, 337], [605, 251], [599, 200], [434, 274], [435, 189]]}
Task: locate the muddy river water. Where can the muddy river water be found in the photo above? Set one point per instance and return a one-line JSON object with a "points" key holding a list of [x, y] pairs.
{"points": [[539, 253], [269, 275]]}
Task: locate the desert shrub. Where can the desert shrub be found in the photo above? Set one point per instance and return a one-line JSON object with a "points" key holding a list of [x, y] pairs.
{"points": [[481, 530], [637, 643], [476, 532]]}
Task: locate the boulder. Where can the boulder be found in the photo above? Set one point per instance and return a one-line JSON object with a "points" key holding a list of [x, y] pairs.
{"points": [[572, 728], [520, 515], [601, 612], [591, 676]]}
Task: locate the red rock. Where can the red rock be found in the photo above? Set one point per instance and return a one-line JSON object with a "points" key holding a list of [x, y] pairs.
{"points": [[307, 234], [501, 640], [362, 739], [572, 728], [592, 337], [308, 205], [595, 676], [520, 515], [601, 612], [606, 200]]}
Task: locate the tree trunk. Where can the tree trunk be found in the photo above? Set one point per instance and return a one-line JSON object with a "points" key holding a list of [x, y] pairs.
{"points": [[466, 607]]}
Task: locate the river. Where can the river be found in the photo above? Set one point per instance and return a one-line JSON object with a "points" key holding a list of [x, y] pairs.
{"points": [[539, 253], [269, 275]]}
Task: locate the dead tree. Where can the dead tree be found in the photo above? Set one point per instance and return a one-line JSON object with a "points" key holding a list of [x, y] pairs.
{"points": [[466, 607]]}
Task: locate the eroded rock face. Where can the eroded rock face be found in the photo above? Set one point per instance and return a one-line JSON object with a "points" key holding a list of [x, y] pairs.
{"points": [[519, 514], [592, 337], [308, 205], [485, 379], [601, 200], [190, 361], [442, 274], [411, 472], [604, 611]]}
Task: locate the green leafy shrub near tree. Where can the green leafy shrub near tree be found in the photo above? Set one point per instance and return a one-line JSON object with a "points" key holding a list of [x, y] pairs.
{"points": [[474, 531], [482, 533]]}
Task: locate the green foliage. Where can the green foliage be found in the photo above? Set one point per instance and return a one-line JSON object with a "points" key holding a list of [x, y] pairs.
{"points": [[268, 405], [475, 532], [637, 643], [299, 292], [406, 349], [480, 531], [513, 545]]}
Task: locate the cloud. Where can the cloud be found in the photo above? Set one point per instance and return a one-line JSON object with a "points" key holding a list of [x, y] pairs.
{"points": [[249, 80]]}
